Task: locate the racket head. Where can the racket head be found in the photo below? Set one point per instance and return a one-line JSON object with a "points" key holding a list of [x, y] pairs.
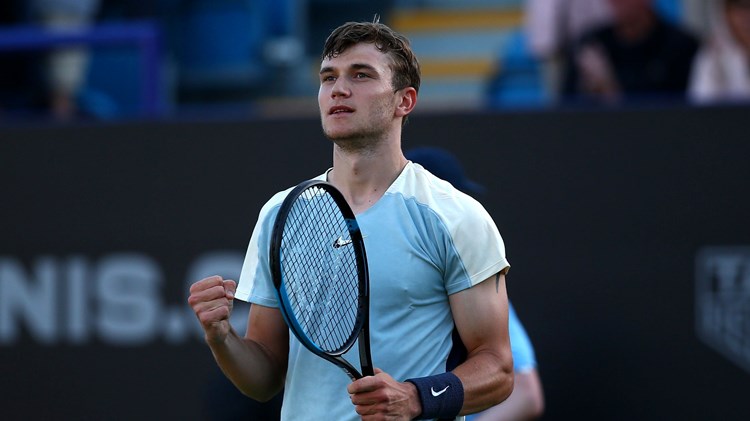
{"points": [[319, 269]]}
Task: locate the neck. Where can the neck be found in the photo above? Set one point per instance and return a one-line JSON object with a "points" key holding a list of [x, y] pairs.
{"points": [[637, 26], [363, 175]]}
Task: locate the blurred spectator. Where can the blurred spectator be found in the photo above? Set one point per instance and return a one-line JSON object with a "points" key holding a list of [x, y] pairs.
{"points": [[721, 71], [65, 68], [15, 68], [694, 15], [552, 26], [638, 56]]}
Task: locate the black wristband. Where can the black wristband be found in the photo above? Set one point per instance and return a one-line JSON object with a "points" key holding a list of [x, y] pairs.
{"points": [[442, 395]]}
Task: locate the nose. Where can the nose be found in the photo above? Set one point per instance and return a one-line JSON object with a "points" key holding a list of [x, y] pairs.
{"points": [[340, 88]]}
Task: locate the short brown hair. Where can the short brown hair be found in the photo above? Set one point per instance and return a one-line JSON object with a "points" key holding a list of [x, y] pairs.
{"points": [[404, 63]]}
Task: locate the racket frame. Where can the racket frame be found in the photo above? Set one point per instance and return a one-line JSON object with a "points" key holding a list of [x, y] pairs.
{"points": [[361, 331]]}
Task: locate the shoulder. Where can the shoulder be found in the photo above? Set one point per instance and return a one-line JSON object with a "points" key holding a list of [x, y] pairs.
{"points": [[277, 199], [436, 203], [469, 235], [434, 194], [677, 36]]}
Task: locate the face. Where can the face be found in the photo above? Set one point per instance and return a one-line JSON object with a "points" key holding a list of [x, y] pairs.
{"points": [[625, 10], [738, 18], [356, 97]]}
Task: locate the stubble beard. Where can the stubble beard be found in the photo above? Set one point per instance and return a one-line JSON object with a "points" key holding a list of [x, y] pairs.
{"points": [[362, 139]]}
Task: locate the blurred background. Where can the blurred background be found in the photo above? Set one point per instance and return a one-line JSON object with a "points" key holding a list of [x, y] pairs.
{"points": [[110, 59], [138, 141]]}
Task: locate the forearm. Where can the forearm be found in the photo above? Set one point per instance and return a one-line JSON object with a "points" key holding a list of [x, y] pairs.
{"points": [[247, 364], [487, 378], [481, 316]]}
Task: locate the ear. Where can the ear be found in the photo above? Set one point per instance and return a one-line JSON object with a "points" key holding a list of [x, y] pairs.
{"points": [[408, 97]]}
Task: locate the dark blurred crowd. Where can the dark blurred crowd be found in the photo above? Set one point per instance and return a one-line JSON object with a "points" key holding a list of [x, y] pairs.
{"points": [[618, 51], [53, 79], [590, 52]]}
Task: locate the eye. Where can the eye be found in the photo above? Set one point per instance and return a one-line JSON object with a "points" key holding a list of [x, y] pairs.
{"points": [[327, 78], [361, 75]]}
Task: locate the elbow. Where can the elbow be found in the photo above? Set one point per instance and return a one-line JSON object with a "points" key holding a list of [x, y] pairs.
{"points": [[504, 384], [261, 396]]}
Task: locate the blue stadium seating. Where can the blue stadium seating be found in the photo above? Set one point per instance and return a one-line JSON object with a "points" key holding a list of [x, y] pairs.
{"points": [[519, 80]]}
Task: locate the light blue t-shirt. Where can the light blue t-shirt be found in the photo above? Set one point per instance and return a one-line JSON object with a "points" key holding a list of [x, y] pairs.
{"points": [[424, 240]]}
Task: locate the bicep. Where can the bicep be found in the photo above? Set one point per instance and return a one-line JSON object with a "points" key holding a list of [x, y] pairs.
{"points": [[266, 327], [481, 316]]}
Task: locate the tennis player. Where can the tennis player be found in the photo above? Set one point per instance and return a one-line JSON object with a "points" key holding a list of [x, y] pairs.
{"points": [[436, 260]]}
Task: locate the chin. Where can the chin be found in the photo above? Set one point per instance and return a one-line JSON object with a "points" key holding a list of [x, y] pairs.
{"points": [[344, 140], [349, 141], [352, 138], [336, 135], [340, 134]]}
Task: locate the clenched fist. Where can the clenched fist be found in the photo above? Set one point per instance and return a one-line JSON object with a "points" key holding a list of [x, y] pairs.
{"points": [[212, 299]]}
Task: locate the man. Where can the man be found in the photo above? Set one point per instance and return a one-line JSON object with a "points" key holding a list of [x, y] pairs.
{"points": [[721, 70], [66, 68], [638, 56], [436, 261], [552, 27], [527, 400]]}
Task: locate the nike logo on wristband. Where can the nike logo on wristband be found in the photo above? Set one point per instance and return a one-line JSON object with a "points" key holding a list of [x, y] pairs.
{"points": [[436, 394]]}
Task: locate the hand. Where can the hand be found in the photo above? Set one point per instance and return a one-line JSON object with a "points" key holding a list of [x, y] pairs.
{"points": [[597, 76], [212, 299], [380, 397]]}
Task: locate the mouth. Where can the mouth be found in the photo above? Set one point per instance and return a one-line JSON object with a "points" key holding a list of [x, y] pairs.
{"points": [[340, 109]]}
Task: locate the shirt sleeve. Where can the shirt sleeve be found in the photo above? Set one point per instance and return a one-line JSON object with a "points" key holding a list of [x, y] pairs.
{"points": [[478, 249], [256, 284]]}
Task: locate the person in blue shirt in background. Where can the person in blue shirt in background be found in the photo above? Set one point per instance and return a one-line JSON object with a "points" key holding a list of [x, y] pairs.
{"points": [[526, 402]]}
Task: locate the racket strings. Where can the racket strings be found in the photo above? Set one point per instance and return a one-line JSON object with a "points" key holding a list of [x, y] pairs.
{"points": [[319, 270]]}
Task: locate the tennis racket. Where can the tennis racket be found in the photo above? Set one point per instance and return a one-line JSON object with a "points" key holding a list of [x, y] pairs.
{"points": [[319, 269]]}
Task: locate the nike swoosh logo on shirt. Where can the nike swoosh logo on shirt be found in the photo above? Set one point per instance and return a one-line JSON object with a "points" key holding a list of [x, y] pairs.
{"points": [[436, 394]]}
